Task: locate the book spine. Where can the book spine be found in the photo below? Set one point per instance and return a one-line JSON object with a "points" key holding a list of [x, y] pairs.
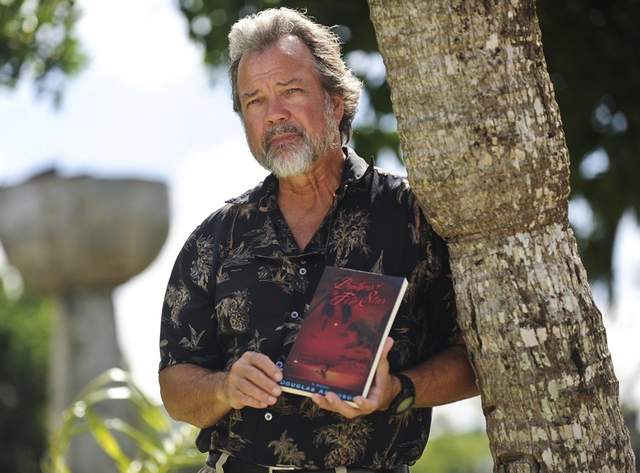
{"points": [[387, 329]]}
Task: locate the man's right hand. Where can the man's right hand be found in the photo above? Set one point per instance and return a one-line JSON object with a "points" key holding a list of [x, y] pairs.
{"points": [[252, 381]]}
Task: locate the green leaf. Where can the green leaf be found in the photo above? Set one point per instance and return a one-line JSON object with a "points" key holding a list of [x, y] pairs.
{"points": [[107, 441]]}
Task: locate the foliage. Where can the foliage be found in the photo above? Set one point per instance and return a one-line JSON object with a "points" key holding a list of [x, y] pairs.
{"points": [[453, 453], [24, 345], [592, 49], [159, 447], [37, 40], [593, 54], [632, 421]]}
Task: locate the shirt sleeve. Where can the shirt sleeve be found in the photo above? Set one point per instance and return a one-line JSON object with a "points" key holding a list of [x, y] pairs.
{"points": [[434, 296], [188, 328]]}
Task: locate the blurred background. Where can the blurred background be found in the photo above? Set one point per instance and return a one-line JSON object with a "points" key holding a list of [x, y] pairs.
{"points": [[103, 102]]}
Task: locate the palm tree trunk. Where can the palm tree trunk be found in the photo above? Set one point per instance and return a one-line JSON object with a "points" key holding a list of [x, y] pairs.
{"points": [[485, 151]]}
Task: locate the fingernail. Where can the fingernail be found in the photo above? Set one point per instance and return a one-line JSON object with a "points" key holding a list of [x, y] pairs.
{"points": [[272, 400], [276, 391], [278, 376]]}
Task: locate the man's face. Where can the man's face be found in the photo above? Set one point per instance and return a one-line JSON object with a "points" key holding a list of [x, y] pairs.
{"points": [[289, 119]]}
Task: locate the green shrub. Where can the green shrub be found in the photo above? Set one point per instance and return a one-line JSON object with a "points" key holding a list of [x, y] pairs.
{"points": [[24, 348], [456, 453], [159, 446]]}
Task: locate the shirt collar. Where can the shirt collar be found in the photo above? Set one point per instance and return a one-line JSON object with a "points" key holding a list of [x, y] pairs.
{"points": [[265, 193]]}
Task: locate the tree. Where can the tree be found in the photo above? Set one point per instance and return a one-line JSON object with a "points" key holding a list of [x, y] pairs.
{"points": [[485, 150], [37, 40], [24, 349], [592, 51]]}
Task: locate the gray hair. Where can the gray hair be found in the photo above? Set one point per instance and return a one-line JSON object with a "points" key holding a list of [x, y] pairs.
{"points": [[260, 31]]}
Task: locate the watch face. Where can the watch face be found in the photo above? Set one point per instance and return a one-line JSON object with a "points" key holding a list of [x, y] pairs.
{"points": [[404, 404]]}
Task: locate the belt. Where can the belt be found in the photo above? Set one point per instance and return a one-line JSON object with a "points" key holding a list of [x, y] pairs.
{"points": [[233, 465]]}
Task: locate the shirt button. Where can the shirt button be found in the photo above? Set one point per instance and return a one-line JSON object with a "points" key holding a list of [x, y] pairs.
{"points": [[268, 416], [294, 315], [302, 271], [279, 364]]}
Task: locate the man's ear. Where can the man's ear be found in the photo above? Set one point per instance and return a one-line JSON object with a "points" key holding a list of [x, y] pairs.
{"points": [[338, 107]]}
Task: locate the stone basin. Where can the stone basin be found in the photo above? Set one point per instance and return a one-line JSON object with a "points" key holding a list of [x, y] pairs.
{"points": [[82, 232]]}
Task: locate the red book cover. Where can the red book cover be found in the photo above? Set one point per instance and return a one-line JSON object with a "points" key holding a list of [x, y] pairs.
{"points": [[343, 332]]}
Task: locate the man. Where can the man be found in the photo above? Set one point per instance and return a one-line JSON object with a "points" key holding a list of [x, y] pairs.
{"points": [[239, 288]]}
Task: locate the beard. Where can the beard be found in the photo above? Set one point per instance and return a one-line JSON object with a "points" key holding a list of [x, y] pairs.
{"points": [[296, 156]]}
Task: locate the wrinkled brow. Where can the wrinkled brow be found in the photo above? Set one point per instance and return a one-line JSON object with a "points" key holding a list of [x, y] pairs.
{"points": [[248, 95]]}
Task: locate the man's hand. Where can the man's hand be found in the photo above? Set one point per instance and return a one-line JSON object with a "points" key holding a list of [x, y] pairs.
{"points": [[252, 381], [385, 388]]}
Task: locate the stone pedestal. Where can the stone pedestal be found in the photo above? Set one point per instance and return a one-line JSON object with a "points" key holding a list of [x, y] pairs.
{"points": [[76, 239]]}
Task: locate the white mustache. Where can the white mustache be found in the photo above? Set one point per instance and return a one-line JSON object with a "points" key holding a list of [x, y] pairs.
{"points": [[279, 130]]}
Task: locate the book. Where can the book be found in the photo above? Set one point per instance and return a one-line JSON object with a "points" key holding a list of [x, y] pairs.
{"points": [[343, 332]]}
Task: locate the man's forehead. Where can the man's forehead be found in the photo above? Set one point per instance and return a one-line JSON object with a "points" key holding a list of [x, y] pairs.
{"points": [[288, 53]]}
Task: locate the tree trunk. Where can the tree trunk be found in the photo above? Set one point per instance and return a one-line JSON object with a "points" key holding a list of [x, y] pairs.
{"points": [[485, 151]]}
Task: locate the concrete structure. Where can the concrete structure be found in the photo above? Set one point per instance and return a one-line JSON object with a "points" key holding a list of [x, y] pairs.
{"points": [[76, 239]]}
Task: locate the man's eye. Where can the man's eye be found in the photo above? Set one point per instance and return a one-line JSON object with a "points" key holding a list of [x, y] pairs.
{"points": [[293, 90], [253, 102]]}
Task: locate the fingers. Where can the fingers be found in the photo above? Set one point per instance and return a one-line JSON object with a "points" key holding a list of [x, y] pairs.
{"points": [[384, 358], [243, 394], [252, 381], [383, 365], [331, 402], [264, 363], [374, 401]]}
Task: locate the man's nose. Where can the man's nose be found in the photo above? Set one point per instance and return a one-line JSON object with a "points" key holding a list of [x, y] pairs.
{"points": [[276, 112]]}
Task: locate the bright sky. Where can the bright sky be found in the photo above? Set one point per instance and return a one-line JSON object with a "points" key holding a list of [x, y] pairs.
{"points": [[145, 108]]}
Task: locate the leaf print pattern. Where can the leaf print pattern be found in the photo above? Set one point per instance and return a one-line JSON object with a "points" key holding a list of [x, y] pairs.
{"points": [[246, 210], [284, 275], [193, 342], [241, 255], [201, 266], [165, 353], [350, 232], [381, 462], [291, 330], [176, 298], [285, 406], [256, 342], [378, 268], [310, 409], [237, 443], [286, 450], [237, 283], [233, 312], [347, 441], [263, 237], [233, 353]]}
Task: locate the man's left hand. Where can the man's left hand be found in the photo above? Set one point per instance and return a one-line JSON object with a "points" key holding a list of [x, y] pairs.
{"points": [[385, 388]]}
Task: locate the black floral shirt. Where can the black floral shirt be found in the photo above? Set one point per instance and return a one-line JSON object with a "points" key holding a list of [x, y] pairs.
{"points": [[241, 283]]}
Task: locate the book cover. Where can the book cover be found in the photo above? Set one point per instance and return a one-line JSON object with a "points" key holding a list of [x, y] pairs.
{"points": [[343, 333]]}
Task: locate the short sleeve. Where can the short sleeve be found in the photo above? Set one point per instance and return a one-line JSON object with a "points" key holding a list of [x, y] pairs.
{"points": [[433, 293], [442, 323], [188, 330]]}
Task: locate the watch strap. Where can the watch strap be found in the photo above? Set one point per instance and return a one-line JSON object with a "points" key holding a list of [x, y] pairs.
{"points": [[405, 399]]}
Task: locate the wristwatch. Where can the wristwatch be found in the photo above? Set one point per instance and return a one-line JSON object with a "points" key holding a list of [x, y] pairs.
{"points": [[405, 398]]}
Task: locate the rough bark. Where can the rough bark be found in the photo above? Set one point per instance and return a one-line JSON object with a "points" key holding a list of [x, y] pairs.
{"points": [[482, 138]]}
